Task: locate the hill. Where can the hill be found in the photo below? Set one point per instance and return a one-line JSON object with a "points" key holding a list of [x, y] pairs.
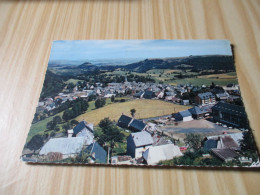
{"points": [[197, 63], [53, 84]]}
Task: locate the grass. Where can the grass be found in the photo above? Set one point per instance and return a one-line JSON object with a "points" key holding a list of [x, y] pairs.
{"points": [[144, 109], [74, 81], [205, 81], [40, 127]]}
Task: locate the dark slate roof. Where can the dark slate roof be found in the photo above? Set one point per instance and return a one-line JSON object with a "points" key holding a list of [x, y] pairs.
{"points": [[79, 127], [139, 94], [230, 109], [185, 113], [225, 154], [210, 144], [149, 94], [137, 125], [197, 110], [97, 152], [206, 95], [124, 120]]}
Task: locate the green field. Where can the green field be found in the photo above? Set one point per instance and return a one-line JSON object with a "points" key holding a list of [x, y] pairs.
{"points": [[144, 109], [169, 76], [204, 81], [74, 81], [40, 127]]}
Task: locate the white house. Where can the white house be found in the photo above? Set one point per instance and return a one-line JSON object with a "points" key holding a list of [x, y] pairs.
{"points": [[84, 129], [68, 147], [183, 116], [137, 143], [155, 154]]}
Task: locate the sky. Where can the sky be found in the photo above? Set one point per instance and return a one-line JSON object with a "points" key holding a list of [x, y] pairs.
{"points": [[118, 49]]}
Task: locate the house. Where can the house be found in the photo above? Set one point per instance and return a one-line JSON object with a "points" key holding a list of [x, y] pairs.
{"points": [[97, 153], [183, 116], [124, 121], [230, 141], [227, 142], [137, 125], [175, 100], [122, 160], [222, 96], [225, 154], [84, 129], [137, 143], [198, 112], [131, 123], [155, 154], [230, 114], [185, 102], [231, 87], [109, 95], [210, 144], [205, 99], [237, 137], [67, 147], [159, 94], [169, 95], [70, 132], [140, 94], [148, 94]]}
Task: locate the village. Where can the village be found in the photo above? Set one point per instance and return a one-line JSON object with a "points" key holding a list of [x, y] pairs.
{"points": [[213, 112]]}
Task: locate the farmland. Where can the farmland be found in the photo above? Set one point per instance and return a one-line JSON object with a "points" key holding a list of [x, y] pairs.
{"points": [[170, 76], [144, 109]]}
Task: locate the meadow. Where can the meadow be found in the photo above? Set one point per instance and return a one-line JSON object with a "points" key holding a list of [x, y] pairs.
{"points": [[144, 109]]}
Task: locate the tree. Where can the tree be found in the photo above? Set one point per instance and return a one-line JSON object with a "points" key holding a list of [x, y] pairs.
{"points": [[98, 103], [105, 123], [74, 122], [103, 102], [35, 143], [110, 133], [247, 143], [57, 119], [66, 115], [51, 125], [213, 85], [193, 140], [133, 111], [112, 98], [56, 128]]}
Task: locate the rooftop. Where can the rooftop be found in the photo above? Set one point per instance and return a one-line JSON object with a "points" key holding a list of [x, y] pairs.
{"points": [[225, 154], [70, 145], [138, 125], [230, 108], [197, 110], [142, 138], [155, 154], [206, 95]]}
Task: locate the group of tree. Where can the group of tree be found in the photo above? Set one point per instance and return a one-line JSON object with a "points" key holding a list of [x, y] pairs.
{"points": [[100, 102], [52, 125], [248, 146], [36, 142], [78, 107], [53, 84], [109, 135]]}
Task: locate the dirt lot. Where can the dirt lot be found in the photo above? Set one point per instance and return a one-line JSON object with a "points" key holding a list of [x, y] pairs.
{"points": [[202, 126]]}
